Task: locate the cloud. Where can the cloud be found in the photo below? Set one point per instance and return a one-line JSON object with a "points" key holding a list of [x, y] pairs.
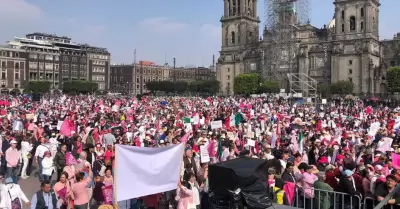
{"points": [[17, 10], [162, 24], [18, 18]]}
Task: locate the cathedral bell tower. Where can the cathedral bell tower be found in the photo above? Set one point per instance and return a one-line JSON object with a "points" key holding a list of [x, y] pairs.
{"points": [[356, 51], [239, 23], [240, 32]]}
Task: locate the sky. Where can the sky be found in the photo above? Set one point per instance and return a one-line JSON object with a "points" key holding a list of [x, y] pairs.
{"points": [[159, 30]]}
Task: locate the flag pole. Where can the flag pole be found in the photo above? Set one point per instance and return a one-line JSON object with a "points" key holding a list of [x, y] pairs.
{"points": [[115, 179]]}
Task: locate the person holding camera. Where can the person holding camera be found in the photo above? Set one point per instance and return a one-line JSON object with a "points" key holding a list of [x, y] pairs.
{"points": [[45, 198]]}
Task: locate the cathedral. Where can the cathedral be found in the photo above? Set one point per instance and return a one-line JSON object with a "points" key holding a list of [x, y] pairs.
{"points": [[346, 49]]}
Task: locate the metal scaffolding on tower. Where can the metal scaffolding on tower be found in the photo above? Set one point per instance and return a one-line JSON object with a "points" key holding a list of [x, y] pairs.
{"points": [[281, 44]]}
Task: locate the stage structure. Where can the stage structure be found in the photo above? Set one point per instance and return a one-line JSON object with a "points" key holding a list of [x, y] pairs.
{"points": [[281, 44]]}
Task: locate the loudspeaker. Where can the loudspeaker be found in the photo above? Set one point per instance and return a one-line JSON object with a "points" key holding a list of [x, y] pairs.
{"points": [[36, 97]]}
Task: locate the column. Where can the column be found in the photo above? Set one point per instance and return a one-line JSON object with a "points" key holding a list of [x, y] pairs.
{"points": [[226, 8], [337, 21], [231, 7], [237, 8], [254, 8]]}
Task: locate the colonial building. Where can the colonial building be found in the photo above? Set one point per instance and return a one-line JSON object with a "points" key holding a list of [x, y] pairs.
{"points": [[346, 49], [57, 59], [132, 78], [12, 68]]}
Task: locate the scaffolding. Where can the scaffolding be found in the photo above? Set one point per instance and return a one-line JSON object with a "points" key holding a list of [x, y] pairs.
{"points": [[301, 83], [281, 45]]}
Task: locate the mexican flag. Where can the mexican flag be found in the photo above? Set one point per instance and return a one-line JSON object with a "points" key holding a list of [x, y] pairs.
{"points": [[238, 118], [207, 103], [230, 121]]}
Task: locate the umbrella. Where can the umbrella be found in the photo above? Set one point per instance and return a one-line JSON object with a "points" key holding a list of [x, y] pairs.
{"points": [[5, 103]]}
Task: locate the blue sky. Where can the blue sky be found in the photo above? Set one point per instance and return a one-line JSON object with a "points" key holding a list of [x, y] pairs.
{"points": [[188, 30]]}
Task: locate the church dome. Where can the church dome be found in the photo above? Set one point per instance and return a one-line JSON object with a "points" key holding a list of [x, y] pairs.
{"points": [[332, 23]]}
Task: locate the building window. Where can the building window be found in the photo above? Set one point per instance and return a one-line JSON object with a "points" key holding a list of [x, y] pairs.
{"points": [[228, 77], [362, 12], [16, 85], [362, 25], [16, 76], [233, 37], [342, 15], [74, 59], [16, 54], [350, 62], [33, 56], [352, 23], [137, 80], [17, 65], [3, 63], [3, 84], [56, 58], [351, 79], [49, 57], [342, 27], [350, 71], [229, 70], [41, 57], [65, 58]]}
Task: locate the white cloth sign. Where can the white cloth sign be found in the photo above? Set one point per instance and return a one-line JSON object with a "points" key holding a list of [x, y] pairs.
{"points": [[147, 166], [204, 156], [216, 124]]}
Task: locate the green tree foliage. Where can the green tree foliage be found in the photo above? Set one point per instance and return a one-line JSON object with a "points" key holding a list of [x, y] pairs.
{"points": [[270, 87], [210, 87], [37, 87], [393, 78], [246, 83], [15, 92], [342, 87], [79, 87], [323, 89]]}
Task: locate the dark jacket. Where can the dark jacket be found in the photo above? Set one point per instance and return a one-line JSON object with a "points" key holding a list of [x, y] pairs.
{"points": [[41, 204], [59, 160]]}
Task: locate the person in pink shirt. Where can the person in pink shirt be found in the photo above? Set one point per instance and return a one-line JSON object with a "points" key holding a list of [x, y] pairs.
{"points": [[13, 157], [63, 190], [80, 191]]}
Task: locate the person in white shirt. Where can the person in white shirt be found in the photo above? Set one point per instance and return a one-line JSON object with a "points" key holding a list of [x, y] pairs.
{"points": [[39, 154], [26, 148], [53, 142], [225, 152], [47, 166], [13, 194]]}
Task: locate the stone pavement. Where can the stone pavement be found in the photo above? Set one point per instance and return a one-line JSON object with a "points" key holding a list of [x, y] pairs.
{"points": [[31, 185]]}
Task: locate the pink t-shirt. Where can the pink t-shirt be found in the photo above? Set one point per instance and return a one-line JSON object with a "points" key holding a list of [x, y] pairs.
{"points": [[79, 189]]}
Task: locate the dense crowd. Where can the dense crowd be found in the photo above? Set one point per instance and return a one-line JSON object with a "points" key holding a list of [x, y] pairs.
{"points": [[343, 145]]}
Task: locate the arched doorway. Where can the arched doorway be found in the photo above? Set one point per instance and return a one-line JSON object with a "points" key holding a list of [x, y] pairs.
{"points": [[383, 88], [4, 91]]}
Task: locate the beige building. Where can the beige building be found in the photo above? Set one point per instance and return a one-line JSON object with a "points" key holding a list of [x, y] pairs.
{"points": [[347, 48]]}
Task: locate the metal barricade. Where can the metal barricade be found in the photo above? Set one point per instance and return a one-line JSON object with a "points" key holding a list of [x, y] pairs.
{"points": [[370, 203], [324, 199]]}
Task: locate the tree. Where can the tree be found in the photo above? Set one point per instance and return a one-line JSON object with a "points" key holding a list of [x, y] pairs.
{"points": [[246, 83], [80, 87], [15, 91], [393, 79], [342, 87], [269, 87], [207, 87], [38, 87], [323, 89]]}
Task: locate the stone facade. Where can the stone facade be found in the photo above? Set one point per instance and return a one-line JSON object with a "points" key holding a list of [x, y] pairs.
{"points": [[348, 48]]}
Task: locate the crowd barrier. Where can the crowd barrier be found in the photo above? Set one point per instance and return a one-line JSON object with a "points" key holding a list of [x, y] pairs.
{"points": [[370, 203], [324, 199]]}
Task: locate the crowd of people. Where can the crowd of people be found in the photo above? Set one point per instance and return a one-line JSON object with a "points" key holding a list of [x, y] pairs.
{"points": [[342, 145]]}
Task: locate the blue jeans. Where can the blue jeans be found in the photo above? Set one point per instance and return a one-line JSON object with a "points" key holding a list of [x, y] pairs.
{"points": [[46, 178], [12, 173], [40, 169]]}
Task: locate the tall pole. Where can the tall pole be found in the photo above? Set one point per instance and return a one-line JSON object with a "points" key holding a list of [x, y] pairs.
{"points": [[141, 77]]}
